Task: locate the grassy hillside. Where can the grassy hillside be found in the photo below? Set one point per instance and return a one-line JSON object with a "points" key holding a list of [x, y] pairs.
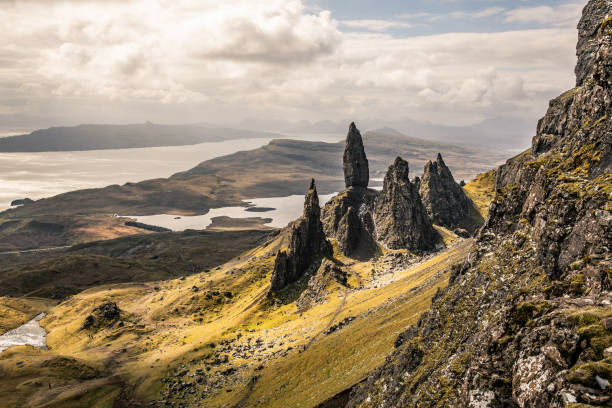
{"points": [[481, 191], [215, 339], [141, 258], [16, 311]]}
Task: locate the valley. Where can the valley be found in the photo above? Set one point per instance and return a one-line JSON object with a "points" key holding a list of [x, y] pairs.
{"points": [[192, 318], [381, 271]]}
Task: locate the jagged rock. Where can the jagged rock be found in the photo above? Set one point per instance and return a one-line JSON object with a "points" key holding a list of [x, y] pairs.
{"points": [[307, 242], [105, 314], [349, 231], [318, 284], [400, 217], [353, 229], [523, 319], [355, 163], [445, 201]]}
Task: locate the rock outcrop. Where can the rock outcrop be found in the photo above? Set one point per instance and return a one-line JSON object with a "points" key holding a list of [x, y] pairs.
{"points": [[524, 321], [102, 316], [306, 244], [319, 284], [445, 201], [355, 162], [22, 201], [348, 216], [400, 217]]}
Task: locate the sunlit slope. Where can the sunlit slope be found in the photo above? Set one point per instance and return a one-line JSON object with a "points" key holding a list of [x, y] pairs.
{"points": [[215, 339]]}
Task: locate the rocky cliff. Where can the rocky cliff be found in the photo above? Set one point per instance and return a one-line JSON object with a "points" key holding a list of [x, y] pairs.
{"points": [[527, 319], [445, 201], [400, 217], [307, 243]]}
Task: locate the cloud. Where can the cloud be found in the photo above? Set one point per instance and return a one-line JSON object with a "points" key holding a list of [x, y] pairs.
{"points": [[204, 60], [562, 15], [375, 25], [150, 49], [463, 15]]}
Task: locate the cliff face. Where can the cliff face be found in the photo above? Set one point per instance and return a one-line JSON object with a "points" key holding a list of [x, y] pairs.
{"points": [[400, 217], [445, 201], [307, 243], [527, 319]]}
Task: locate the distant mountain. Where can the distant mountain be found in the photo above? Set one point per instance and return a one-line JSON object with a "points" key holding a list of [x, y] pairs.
{"points": [[493, 133], [97, 137]]}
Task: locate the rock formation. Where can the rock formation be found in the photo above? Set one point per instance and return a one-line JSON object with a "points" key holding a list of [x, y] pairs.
{"points": [[22, 201], [348, 216], [319, 284], [400, 217], [524, 320], [445, 201], [355, 163], [104, 315], [306, 244]]}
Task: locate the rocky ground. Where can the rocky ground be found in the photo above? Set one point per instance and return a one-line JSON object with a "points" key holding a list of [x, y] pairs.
{"points": [[525, 321]]}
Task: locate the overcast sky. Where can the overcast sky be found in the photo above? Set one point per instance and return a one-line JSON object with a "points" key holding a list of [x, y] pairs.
{"points": [[179, 61]]}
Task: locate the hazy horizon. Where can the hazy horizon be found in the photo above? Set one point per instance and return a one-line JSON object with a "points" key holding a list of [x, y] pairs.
{"points": [[68, 62]]}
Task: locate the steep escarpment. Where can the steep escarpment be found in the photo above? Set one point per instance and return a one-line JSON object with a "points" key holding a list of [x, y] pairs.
{"points": [[307, 243], [527, 319], [401, 219], [445, 201]]}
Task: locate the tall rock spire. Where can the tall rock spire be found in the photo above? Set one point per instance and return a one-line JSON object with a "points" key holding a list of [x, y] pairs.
{"points": [[306, 244], [445, 201], [400, 217], [355, 162]]}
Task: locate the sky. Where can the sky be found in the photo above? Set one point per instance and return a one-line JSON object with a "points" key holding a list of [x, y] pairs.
{"points": [[451, 62]]}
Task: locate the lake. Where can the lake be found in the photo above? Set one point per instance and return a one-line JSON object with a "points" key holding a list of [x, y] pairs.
{"points": [[286, 210], [28, 334], [39, 175]]}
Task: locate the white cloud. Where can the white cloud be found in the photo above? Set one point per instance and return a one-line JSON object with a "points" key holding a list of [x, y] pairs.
{"points": [[475, 15], [562, 15], [375, 25], [199, 60]]}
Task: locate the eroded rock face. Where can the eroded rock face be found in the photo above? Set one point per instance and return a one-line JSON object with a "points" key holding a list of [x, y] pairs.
{"points": [[319, 284], [349, 231], [400, 217], [348, 216], [353, 229], [306, 244], [355, 162], [524, 318], [445, 201]]}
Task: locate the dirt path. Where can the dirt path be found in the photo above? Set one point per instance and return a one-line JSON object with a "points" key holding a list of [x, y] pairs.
{"points": [[35, 250]]}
